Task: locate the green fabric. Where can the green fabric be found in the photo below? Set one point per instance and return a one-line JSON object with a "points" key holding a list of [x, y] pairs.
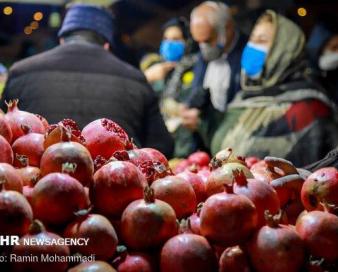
{"points": [[2, 87]]}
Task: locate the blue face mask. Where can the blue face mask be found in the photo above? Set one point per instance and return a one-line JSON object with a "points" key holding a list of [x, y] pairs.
{"points": [[253, 59], [172, 50]]}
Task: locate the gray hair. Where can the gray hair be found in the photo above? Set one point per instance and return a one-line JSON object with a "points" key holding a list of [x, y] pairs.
{"points": [[218, 17]]}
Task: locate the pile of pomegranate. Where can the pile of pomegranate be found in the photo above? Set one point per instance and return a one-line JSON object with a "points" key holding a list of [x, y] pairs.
{"points": [[143, 213]]}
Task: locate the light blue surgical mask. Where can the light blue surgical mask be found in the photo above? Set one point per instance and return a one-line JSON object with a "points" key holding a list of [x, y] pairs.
{"points": [[253, 59], [171, 50]]}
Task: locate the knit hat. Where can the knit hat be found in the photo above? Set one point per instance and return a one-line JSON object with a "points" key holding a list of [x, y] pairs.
{"points": [[88, 17]]}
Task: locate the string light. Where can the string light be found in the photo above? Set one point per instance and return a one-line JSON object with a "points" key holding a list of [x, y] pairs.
{"points": [[34, 25], [8, 10], [302, 12], [28, 30], [38, 16]]}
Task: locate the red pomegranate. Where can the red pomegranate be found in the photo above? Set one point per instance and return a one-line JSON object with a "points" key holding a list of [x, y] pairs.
{"points": [[103, 137], [319, 231], [96, 266], [56, 197], [10, 179], [181, 166], [178, 193], [199, 158], [154, 170], [156, 155], [15, 213], [30, 146], [100, 232], [115, 185], [5, 129], [30, 175], [194, 220], [133, 262], [197, 184], [228, 219], [148, 222], [276, 247], [188, 252], [204, 174], [43, 121], [22, 122], [138, 156], [223, 175], [321, 187], [38, 232], [6, 154], [259, 192], [27, 191], [251, 161], [71, 157], [234, 259]]}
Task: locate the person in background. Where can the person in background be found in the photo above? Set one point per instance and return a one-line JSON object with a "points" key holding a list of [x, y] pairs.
{"points": [[217, 71], [80, 79], [281, 110], [323, 51], [3, 77]]}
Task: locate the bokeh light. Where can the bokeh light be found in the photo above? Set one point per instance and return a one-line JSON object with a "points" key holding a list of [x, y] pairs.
{"points": [[301, 12], [38, 16], [8, 10], [34, 25], [28, 30]]}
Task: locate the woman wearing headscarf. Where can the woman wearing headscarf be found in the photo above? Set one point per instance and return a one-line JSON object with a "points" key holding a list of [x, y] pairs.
{"points": [[281, 111]]}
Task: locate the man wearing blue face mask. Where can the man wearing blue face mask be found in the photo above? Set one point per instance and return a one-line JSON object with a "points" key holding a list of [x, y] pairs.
{"points": [[217, 72]]}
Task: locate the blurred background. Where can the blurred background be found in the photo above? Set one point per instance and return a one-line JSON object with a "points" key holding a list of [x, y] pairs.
{"points": [[28, 27]]}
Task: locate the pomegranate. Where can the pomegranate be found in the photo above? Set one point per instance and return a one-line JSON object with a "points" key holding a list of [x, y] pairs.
{"points": [[276, 247], [225, 156], [71, 154], [181, 166], [29, 175], [56, 197], [154, 170], [5, 129], [6, 154], [115, 185], [27, 191], [103, 137], [133, 262], [321, 187], [138, 156], [223, 175], [234, 259], [97, 266], [43, 121], [30, 146], [38, 232], [176, 192], [259, 192], [22, 122], [10, 179], [188, 252], [194, 221], [156, 155], [199, 158], [228, 219], [101, 234], [197, 184], [251, 161], [148, 222], [15, 213], [204, 174], [319, 231]]}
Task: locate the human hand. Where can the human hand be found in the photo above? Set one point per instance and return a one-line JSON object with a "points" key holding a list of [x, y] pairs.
{"points": [[159, 71], [190, 118]]}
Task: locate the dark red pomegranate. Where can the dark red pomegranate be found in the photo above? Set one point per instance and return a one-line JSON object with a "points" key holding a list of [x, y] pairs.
{"points": [[6, 154], [321, 187], [115, 185], [319, 231], [178, 193], [228, 219], [259, 192], [188, 252], [5, 129], [223, 175], [30, 175], [199, 158], [38, 232], [133, 262], [97, 266], [276, 247], [197, 184], [100, 232], [234, 259], [156, 155], [10, 179], [27, 191], [22, 122], [148, 222], [103, 137], [15, 213], [56, 197], [30, 146], [71, 154]]}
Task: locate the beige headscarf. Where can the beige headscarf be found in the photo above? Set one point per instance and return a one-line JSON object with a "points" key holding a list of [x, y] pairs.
{"points": [[287, 47]]}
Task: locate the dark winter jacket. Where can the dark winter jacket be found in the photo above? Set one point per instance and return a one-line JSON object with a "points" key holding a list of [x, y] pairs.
{"points": [[84, 82]]}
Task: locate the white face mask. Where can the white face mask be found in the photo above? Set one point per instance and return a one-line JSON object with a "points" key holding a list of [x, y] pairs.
{"points": [[328, 61], [210, 52]]}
